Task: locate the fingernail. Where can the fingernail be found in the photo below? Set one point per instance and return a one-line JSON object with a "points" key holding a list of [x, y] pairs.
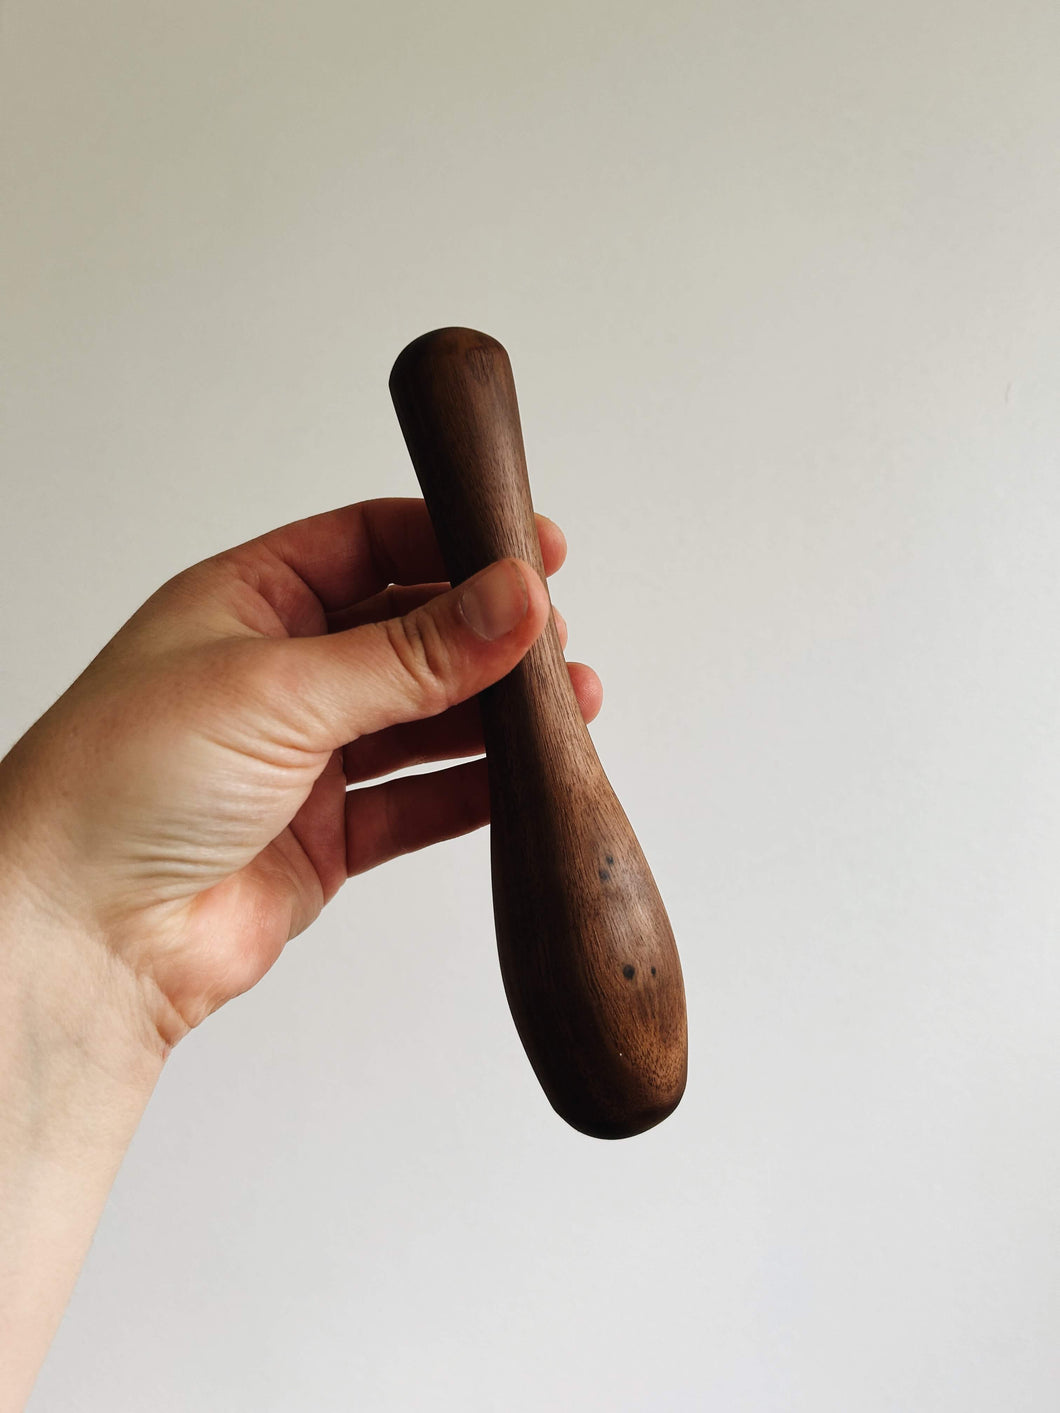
{"points": [[495, 601]]}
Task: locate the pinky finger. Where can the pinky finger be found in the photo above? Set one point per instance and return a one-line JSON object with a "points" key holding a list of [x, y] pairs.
{"points": [[400, 816]]}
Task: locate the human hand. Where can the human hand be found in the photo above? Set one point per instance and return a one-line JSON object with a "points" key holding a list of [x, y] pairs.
{"points": [[184, 803]]}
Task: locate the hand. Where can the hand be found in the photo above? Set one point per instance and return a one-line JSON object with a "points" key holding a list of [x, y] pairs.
{"points": [[184, 803], [182, 811]]}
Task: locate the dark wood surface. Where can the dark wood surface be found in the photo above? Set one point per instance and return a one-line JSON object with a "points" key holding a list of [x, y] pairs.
{"points": [[588, 958]]}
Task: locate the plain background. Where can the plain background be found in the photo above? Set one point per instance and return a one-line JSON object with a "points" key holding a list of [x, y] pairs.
{"points": [[781, 286]]}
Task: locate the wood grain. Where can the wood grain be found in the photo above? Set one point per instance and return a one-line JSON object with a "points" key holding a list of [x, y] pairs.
{"points": [[588, 958]]}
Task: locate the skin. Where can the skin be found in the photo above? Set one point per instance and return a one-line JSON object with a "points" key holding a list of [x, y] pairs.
{"points": [[182, 812]]}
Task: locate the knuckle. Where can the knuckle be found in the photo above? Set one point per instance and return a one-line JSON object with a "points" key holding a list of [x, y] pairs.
{"points": [[425, 662]]}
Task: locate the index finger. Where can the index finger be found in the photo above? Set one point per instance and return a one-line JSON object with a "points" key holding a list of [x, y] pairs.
{"points": [[349, 554]]}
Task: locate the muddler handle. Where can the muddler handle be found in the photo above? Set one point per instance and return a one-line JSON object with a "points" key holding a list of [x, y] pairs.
{"points": [[588, 959]]}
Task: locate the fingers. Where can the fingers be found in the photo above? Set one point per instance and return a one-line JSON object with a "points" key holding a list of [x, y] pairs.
{"points": [[588, 689], [335, 688], [383, 821], [457, 732], [398, 816], [346, 555]]}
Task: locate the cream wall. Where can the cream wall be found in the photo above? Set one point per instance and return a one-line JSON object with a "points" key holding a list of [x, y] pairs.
{"points": [[781, 286]]}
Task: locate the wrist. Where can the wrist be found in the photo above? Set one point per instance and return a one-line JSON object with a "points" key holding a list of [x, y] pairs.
{"points": [[56, 951], [77, 1067], [79, 1049]]}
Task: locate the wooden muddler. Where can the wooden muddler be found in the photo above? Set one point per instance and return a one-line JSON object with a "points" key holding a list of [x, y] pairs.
{"points": [[586, 951]]}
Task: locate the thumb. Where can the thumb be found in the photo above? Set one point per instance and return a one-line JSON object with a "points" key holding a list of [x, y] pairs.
{"points": [[379, 674]]}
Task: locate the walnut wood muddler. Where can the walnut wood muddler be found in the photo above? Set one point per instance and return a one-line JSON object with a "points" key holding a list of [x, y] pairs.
{"points": [[586, 951]]}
